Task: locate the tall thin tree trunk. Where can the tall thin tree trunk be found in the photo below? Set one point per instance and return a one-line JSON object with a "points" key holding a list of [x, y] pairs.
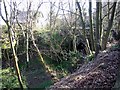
{"points": [[91, 27], [110, 23], [100, 23], [27, 32], [51, 7], [38, 51], [27, 48], [97, 30], [74, 36], [81, 17], [15, 58], [84, 31], [74, 43], [108, 10]]}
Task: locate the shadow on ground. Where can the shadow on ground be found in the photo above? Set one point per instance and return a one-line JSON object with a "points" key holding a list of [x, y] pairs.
{"points": [[36, 75]]}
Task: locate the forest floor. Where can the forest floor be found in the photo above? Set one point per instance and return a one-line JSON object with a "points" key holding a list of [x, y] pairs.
{"points": [[103, 73], [36, 76]]}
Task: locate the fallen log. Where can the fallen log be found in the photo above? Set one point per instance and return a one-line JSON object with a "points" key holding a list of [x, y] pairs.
{"points": [[100, 73]]}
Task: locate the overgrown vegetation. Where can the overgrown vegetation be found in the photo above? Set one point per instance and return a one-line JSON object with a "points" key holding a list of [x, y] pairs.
{"points": [[9, 79], [38, 56]]}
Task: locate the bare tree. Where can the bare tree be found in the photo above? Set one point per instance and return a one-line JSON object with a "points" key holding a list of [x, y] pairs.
{"points": [[12, 45], [91, 27], [27, 31], [110, 23], [83, 27], [100, 22], [97, 37], [33, 16]]}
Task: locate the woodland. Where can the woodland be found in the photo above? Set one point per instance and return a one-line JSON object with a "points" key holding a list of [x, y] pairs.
{"points": [[77, 46]]}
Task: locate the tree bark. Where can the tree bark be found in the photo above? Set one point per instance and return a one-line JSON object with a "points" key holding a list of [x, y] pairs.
{"points": [[91, 27], [83, 27], [97, 37], [100, 23], [110, 23], [12, 47]]}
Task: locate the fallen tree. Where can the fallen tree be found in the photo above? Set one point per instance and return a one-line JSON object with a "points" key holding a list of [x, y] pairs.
{"points": [[99, 73]]}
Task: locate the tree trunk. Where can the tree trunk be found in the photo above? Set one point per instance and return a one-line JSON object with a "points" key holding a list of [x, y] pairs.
{"points": [[97, 37], [27, 33], [83, 28], [110, 23], [74, 43], [15, 58], [12, 47], [37, 49], [91, 27], [100, 24], [27, 48]]}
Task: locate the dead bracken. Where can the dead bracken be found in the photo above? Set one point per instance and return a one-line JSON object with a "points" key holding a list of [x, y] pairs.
{"points": [[100, 73]]}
